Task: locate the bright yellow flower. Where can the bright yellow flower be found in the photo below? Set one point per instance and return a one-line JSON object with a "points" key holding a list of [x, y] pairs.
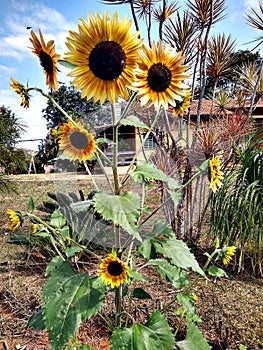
{"points": [[105, 55], [34, 228], [113, 271], [48, 58], [216, 175], [160, 75], [76, 142], [227, 253], [182, 107], [14, 218], [21, 91]]}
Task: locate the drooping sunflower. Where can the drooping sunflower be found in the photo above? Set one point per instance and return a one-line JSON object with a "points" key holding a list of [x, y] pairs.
{"points": [[216, 175], [14, 218], [48, 58], [21, 90], [113, 271], [75, 141], [226, 254], [182, 107], [159, 76], [105, 54]]}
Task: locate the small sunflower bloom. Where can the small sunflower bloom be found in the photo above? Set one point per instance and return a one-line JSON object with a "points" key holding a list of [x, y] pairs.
{"points": [[226, 254], [159, 76], [21, 90], [183, 106], [48, 58], [104, 54], [14, 218], [34, 228], [216, 175], [76, 142], [113, 271]]}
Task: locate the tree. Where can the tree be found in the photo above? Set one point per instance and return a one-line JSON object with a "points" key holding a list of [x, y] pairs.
{"points": [[70, 100], [11, 129]]}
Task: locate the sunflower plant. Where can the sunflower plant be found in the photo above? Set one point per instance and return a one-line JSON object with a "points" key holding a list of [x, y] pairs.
{"points": [[107, 61]]}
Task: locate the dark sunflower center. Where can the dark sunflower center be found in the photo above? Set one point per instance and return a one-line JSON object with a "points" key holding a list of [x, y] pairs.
{"points": [[107, 60], [115, 268], [159, 77], [79, 140], [46, 62]]}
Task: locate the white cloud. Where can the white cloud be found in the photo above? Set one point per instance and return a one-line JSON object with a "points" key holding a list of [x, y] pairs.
{"points": [[53, 25], [251, 3]]}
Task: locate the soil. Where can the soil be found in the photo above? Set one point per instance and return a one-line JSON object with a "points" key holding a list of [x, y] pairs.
{"points": [[231, 308]]}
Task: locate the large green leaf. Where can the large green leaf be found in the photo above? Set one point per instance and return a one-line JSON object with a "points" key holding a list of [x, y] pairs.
{"points": [[134, 121], [69, 298], [171, 273], [57, 219], [146, 171], [154, 335], [122, 210], [179, 253], [194, 339]]}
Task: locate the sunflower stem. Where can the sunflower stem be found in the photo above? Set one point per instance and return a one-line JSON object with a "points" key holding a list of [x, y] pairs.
{"points": [[54, 103], [115, 151], [126, 176], [105, 173], [126, 109], [118, 299], [90, 175]]}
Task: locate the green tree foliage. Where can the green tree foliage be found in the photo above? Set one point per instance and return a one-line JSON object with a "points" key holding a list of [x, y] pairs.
{"points": [[11, 129]]}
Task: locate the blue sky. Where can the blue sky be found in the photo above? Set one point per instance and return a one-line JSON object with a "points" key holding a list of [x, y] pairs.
{"points": [[55, 18]]}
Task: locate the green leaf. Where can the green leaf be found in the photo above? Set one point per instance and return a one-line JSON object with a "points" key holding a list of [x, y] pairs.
{"points": [[81, 205], [137, 276], [67, 64], [179, 253], [69, 298], [134, 121], [57, 219], [146, 171], [176, 196], [72, 251], [122, 210], [203, 167], [37, 321], [154, 335], [140, 294], [171, 273], [216, 271], [147, 248], [31, 204], [187, 301], [100, 140], [194, 339]]}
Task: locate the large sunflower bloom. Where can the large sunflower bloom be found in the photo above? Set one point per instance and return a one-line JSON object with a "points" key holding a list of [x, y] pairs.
{"points": [[216, 175], [182, 107], [227, 253], [105, 54], [14, 218], [113, 271], [75, 141], [21, 91], [48, 58], [160, 75]]}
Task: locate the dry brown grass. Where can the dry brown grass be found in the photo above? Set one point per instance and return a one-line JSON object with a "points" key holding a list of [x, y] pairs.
{"points": [[231, 309]]}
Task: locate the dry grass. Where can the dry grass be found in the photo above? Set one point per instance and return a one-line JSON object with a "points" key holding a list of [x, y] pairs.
{"points": [[231, 309]]}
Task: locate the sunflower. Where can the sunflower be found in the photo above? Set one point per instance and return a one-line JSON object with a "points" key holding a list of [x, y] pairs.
{"points": [[48, 58], [159, 76], [105, 55], [14, 218], [227, 253], [21, 91], [215, 173], [75, 141], [113, 271], [182, 107], [35, 228]]}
